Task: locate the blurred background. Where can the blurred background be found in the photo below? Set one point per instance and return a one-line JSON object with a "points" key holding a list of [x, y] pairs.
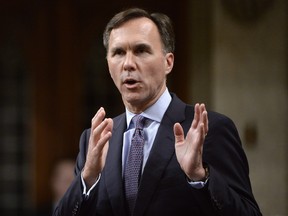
{"points": [[230, 54]]}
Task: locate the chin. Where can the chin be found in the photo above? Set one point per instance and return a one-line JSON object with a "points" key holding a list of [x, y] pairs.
{"points": [[133, 98]]}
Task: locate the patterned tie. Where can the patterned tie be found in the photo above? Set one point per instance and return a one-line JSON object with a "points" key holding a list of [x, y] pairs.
{"points": [[134, 162]]}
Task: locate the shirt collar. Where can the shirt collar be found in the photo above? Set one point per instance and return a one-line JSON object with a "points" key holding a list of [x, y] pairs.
{"points": [[154, 112]]}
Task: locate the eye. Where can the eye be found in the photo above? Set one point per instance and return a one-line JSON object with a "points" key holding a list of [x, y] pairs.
{"points": [[118, 51], [142, 49]]}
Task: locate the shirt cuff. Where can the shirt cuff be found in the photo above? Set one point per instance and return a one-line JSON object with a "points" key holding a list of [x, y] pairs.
{"points": [[198, 184], [85, 192]]}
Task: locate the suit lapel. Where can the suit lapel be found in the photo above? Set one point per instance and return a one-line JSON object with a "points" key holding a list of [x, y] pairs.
{"points": [[113, 167], [162, 151]]}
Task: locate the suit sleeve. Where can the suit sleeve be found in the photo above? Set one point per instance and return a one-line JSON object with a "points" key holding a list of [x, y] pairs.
{"points": [[229, 184], [74, 202]]}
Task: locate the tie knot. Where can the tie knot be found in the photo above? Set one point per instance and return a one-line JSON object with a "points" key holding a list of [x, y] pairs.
{"points": [[139, 121]]}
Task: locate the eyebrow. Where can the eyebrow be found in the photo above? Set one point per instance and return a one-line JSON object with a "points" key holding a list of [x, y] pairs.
{"points": [[136, 46], [114, 49], [143, 46]]}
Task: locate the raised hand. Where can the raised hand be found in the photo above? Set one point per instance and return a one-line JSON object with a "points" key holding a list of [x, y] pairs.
{"points": [[101, 132], [189, 150]]}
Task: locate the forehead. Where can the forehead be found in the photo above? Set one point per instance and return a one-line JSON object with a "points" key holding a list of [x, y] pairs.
{"points": [[142, 29]]}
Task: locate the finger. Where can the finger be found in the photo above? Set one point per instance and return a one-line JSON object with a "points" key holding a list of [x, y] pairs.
{"points": [[103, 141], [202, 107], [202, 110], [202, 133], [109, 126], [106, 133], [97, 113], [196, 116], [206, 127], [97, 131], [204, 118], [178, 133], [98, 118]]}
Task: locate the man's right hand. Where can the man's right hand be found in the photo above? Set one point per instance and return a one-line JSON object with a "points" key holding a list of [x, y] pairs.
{"points": [[101, 132]]}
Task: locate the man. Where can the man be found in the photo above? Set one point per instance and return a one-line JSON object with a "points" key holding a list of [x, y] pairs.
{"points": [[188, 166]]}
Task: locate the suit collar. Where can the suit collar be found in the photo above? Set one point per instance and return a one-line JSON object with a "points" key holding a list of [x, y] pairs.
{"points": [[113, 167], [161, 153]]}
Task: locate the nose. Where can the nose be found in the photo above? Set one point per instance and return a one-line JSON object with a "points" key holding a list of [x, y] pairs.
{"points": [[129, 62]]}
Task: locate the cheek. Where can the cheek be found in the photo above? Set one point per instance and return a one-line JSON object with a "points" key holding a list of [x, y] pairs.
{"points": [[157, 75], [154, 81], [111, 68], [114, 77]]}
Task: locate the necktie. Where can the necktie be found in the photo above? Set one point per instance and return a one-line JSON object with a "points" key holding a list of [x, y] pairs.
{"points": [[134, 162]]}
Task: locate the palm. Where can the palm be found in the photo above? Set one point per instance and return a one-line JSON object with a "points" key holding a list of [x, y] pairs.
{"points": [[101, 131], [189, 149]]}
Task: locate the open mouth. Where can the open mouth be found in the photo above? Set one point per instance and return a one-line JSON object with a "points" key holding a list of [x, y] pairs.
{"points": [[130, 81]]}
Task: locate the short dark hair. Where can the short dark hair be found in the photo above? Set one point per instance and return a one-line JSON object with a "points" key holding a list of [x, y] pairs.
{"points": [[162, 21]]}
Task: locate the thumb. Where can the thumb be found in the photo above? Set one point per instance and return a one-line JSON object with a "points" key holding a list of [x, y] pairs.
{"points": [[178, 133]]}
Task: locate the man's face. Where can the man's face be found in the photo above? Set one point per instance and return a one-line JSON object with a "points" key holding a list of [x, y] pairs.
{"points": [[138, 64]]}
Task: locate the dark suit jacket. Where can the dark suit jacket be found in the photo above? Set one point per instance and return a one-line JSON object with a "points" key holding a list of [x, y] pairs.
{"points": [[164, 189]]}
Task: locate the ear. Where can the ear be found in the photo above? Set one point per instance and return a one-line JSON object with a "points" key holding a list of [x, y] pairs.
{"points": [[169, 60]]}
